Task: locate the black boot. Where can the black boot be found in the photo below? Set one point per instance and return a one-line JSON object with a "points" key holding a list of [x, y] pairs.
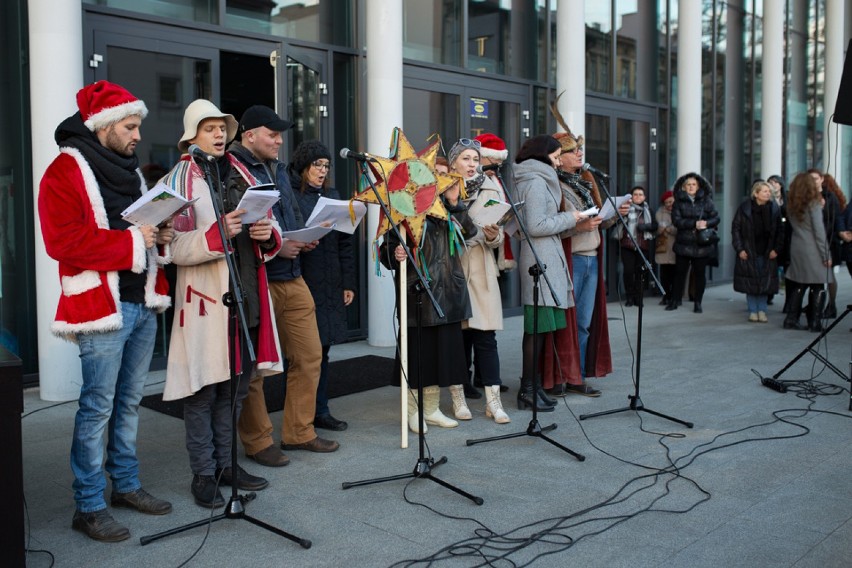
{"points": [[525, 398], [673, 304], [543, 399], [794, 307], [470, 391], [816, 305]]}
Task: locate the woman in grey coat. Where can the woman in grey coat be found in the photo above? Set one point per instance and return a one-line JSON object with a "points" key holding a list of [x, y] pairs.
{"points": [[810, 257], [545, 219]]}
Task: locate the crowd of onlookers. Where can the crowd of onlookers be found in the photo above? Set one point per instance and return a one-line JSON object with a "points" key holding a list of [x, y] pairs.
{"points": [[796, 236]]}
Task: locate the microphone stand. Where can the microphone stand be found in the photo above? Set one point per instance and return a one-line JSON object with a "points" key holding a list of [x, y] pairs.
{"points": [[635, 402], [537, 270], [240, 343], [425, 464]]}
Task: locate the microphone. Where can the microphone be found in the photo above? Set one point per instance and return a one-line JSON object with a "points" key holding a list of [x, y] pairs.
{"points": [[490, 167], [587, 167], [197, 152], [346, 153], [773, 384]]}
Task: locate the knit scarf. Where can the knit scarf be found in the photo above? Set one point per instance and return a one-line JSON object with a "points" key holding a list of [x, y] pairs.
{"points": [[582, 187], [117, 175]]}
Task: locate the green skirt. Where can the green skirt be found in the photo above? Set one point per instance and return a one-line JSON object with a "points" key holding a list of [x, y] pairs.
{"points": [[549, 319]]}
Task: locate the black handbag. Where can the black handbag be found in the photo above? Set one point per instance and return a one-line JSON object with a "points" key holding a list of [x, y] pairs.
{"points": [[706, 237]]}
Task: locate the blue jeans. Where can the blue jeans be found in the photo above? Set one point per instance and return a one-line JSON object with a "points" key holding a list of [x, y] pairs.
{"points": [[115, 367], [585, 280], [756, 303]]}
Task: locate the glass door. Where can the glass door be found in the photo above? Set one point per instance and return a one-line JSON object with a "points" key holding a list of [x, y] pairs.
{"points": [[307, 94], [438, 102], [169, 75], [621, 140]]}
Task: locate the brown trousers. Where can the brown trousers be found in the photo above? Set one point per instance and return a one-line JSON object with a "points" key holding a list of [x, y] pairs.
{"points": [[295, 317]]}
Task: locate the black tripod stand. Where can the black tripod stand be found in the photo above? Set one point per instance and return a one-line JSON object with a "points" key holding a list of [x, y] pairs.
{"points": [[425, 464], [810, 349], [239, 341], [534, 427], [537, 270], [636, 402]]}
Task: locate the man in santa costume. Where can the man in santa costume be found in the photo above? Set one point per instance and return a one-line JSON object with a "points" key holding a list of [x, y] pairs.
{"points": [[113, 286]]}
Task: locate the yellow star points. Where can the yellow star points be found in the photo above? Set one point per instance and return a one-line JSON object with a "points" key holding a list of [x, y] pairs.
{"points": [[409, 184]]}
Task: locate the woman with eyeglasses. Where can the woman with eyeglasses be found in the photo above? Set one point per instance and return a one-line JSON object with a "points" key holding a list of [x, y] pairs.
{"points": [[480, 269], [328, 270], [546, 218]]}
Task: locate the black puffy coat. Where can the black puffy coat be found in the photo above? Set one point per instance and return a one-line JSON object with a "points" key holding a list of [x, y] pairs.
{"points": [[448, 283], [686, 212], [747, 278], [329, 269]]}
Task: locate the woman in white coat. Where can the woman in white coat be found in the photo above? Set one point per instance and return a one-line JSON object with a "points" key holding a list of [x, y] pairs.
{"points": [[480, 270]]}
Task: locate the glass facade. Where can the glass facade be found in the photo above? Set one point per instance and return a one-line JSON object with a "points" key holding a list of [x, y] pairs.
{"points": [[432, 31], [204, 11], [17, 270], [322, 21], [470, 66]]}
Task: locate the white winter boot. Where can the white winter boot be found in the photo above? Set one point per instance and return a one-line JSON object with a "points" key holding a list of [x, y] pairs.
{"points": [[413, 413], [431, 410], [494, 406], [460, 408]]}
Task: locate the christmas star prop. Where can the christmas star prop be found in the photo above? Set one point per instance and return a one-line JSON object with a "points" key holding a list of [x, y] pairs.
{"points": [[408, 183]]}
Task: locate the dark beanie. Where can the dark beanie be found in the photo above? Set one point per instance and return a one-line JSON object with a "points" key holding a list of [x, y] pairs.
{"points": [[307, 152]]}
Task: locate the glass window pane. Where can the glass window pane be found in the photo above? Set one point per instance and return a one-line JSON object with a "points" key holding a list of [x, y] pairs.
{"points": [[17, 268], [598, 46], [206, 11], [323, 21], [507, 37], [640, 52], [167, 84], [304, 101], [796, 137], [432, 31], [426, 113]]}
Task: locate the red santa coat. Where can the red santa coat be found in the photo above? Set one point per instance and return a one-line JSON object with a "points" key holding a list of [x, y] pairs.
{"points": [[76, 233]]}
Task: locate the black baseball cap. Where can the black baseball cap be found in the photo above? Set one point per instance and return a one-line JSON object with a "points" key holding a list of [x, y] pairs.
{"points": [[260, 115]]}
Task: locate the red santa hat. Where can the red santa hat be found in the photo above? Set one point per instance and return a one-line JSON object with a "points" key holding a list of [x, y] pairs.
{"points": [[103, 103], [492, 147]]}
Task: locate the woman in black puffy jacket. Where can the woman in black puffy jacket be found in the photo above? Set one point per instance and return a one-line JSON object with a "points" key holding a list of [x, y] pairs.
{"points": [[693, 212]]}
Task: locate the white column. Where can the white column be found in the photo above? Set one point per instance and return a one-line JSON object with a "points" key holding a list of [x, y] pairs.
{"points": [[772, 98], [56, 74], [384, 112], [835, 23], [689, 87], [571, 63]]}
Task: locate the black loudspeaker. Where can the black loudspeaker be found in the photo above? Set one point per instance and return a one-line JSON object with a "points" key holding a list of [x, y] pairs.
{"points": [[843, 108]]}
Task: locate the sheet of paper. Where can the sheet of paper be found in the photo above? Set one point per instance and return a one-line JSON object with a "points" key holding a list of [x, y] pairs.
{"points": [[308, 234], [257, 201], [486, 211], [608, 211], [336, 212], [156, 205], [590, 211]]}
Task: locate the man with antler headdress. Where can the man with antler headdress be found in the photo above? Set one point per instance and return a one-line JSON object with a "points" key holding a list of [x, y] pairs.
{"points": [[581, 350]]}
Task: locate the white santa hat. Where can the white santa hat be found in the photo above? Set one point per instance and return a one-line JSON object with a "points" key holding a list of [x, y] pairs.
{"points": [[103, 103]]}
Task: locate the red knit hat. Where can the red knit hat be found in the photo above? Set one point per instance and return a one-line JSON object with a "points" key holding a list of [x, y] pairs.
{"points": [[103, 103], [492, 146], [666, 195]]}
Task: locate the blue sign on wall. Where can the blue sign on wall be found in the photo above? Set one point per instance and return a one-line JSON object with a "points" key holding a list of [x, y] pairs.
{"points": [[478, 108]]}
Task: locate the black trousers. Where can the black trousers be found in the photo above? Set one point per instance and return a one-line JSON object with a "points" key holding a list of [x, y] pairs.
{"points": [[699, 270]]}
